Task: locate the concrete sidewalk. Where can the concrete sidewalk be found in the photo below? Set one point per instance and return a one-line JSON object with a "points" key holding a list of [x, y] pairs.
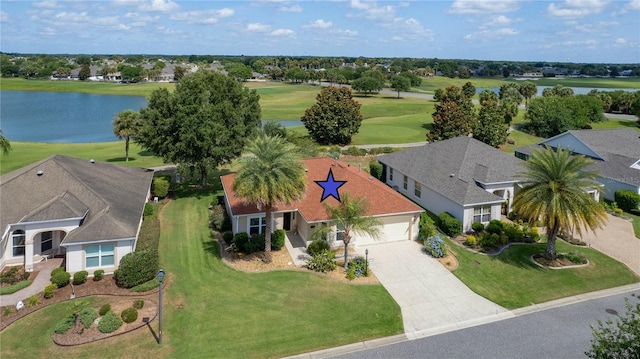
{"points": [[43, 279], [432, 299]]}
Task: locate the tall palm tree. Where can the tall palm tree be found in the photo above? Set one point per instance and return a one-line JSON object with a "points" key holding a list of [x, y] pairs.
{"points": [[5, 145], [351, 214], [272, 174], [555, 192], [125, 125]]}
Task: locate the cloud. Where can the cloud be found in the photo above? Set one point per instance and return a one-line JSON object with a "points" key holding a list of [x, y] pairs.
{"points": [[357, 4], [48, 31], [572, 9], [166, 31], [499, 20], [159, 6], [49, 4], [293, 8], [202, 17], [319, 24], [599, 26], [4, 17], [483, 7], [621, 41], [258, 27], [632, 5], [491, 34], [283, 32]]}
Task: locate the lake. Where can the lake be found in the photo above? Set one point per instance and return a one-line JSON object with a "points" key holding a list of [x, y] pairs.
{"points": [[66, 117]]}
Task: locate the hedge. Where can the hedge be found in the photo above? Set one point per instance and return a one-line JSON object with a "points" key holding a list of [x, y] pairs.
{"points": [[449, 224], [627, 200], [137, 268]]}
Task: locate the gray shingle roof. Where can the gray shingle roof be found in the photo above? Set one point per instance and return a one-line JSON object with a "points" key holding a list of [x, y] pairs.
{"points": [[113, 196], [454, 167]]}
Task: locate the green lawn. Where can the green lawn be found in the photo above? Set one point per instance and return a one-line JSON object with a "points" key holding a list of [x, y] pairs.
{"points": [[513, 281], [212, 310], [433, 83], [612, 83], [104, 88], [636, 223]]}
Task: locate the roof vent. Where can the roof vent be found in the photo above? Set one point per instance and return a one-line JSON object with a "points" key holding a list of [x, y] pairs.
{"points": [[40, 173], [452, 175], [92, 160], [306, 170]]}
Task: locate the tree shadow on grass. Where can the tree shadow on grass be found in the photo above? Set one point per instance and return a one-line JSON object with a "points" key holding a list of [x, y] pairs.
{"points": [[211, 247], [146, 153], [520, 256], [121, 159], [427, 126]]}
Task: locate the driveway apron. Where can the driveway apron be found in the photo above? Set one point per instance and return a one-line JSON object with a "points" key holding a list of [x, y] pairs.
{"points": [[617, 240], [432, 299]]}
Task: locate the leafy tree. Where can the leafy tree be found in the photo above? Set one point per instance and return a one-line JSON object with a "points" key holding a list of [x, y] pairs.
{"points": [[454, 116], [238, 71], [557, 90], [334, 118], [296, 75], [549, 116], [131, 73], [351, 215], [125, 126], [5, 145], [274, 128], [635, 107], [205, 122], [512, 91], [464, 73], [528, 89], [491, 128], [366, 85], [620, 339], [178, 73], [274, 174], [487, 95], [400, 83], [85, 72], [416, 80], [509, 108], [468, 89], [555, 192]]}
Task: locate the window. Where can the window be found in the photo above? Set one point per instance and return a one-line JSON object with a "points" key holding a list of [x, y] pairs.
{"points": [[46, 241], [390, 174], [257, 225], [405, 184], [101, 255], [18, 242], [482, 214], [417, 191]]}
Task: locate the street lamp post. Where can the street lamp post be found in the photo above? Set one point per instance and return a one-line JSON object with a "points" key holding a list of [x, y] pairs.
{"points": [[160, 279], [366, 262]]}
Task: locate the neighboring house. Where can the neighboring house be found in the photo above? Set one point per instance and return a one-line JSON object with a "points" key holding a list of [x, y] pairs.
{"points": [[616, 155], [89, 212], [471, 180], [400, 217]]}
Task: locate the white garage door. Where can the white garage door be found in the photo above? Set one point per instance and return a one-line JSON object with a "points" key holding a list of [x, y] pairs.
{"points": [[393, 229]]}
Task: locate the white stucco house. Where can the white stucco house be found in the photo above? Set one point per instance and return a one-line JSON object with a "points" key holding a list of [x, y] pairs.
{"points": [[85, 211], [471, 180], [400, 217], [615, 154]]}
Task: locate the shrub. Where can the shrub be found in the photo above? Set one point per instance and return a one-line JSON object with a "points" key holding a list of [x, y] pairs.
{"points": [[137, 268], [627, 200], [427, 228], [449, 224], [575, 257], [7, 310], [358, 266], [435, 246], [488, 241], [149, 210], [512, 216], [533, 234], [471, 240], [129, 315], [10, 276], [317, 246], [33, 300], [351, 273], [146, 286], [161, 186], [65, 324], [513, 232], [240, 240], [216, 217], [618, 211], [87, 316], [227, 237], [61, 279], [57, 270], [98, 274], [105, 309], [277, 239], [504, 239], [375, 169], [49, 290], [477, 227], [495, 226], [355, 151], [138, 303], [324, 261], [80, 277], [109, 323]]}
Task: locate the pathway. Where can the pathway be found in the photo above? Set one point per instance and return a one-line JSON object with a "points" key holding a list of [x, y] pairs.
{"points": [[43, 279]]}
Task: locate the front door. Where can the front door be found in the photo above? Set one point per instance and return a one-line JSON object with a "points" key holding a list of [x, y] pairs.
{"points": [[287, 221]]}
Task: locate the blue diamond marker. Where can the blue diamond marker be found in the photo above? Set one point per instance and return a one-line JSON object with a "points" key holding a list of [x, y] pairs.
{"points": [[330, 187]]}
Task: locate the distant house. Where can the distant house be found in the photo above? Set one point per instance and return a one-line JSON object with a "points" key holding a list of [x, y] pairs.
{"points": [[400, 217], [616, 155], [85, 211], [471, 180]]}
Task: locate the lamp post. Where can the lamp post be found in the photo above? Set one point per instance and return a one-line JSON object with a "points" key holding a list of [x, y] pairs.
{"points": [[366, 262], [160, 279]]}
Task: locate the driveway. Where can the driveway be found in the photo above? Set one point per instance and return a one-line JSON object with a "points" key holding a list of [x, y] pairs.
{"points": [[617, 240], [432, 299]]}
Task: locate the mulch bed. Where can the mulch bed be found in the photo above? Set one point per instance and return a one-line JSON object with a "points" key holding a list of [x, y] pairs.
{"points": [[559, 262]]}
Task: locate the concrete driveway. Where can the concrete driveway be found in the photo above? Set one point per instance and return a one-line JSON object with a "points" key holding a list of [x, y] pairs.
{"points": [[432, 299]]}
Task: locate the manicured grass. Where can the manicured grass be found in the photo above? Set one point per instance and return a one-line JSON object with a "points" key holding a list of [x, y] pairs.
{"points": [[513, 281], [521, 139], [605, 82], [615, 123], [25, 153], [94, 87], [16, 287], [635, 222], [433, 83]]}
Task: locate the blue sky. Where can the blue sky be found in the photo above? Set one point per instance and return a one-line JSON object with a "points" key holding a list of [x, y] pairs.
{"points": [[592, 31]]}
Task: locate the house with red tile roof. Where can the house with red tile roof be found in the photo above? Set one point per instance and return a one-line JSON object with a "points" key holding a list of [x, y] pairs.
{"points": [[400, 216]]}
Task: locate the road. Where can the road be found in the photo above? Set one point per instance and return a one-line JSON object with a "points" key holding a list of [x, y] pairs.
{"points": [[561, 332]]}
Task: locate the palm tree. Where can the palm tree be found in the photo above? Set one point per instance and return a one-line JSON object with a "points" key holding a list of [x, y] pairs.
{"points": [[272, 174], [555, 192], [350, 214], [125, 125], [5, 145]]}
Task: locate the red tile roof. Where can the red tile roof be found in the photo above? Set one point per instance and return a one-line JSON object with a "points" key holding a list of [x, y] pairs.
{"points": [[382, 199]]}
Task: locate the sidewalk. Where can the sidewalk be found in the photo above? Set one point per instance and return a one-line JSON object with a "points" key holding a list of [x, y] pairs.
{"points": [[43, 279]]}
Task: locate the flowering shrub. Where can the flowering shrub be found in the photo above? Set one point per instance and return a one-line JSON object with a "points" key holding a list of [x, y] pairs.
{"points": [[324, 261], [359, 266], [435, 246]]}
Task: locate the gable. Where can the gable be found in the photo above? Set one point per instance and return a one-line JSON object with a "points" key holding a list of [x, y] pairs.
{"points": [[570, 142]]}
